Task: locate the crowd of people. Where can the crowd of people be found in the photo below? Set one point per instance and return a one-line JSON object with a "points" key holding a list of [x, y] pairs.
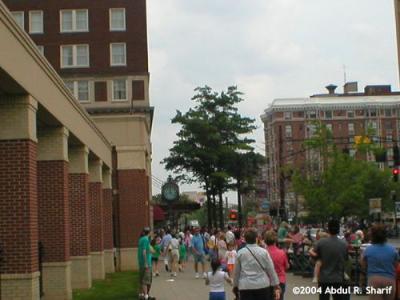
{"points": [[255, 263]]}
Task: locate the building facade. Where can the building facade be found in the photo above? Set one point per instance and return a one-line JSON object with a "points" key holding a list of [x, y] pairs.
{"points": [[289, 122], [99, 48], [75, 139]]}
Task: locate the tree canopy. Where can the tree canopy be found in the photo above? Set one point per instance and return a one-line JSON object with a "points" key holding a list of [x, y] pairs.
{"points": [[210, 144]]}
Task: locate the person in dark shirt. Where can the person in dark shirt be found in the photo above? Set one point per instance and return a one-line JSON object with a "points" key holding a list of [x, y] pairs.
{"points": [[333, 255]]}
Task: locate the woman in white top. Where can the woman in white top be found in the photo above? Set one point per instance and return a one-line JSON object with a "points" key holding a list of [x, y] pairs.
{"points": [[173, 249], [216, 279]]}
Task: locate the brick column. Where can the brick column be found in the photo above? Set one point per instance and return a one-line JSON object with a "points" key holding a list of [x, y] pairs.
{"points": [[54, 220], [19, 273], [81, 275], [133, 213], [108, 223], [96, 219]]}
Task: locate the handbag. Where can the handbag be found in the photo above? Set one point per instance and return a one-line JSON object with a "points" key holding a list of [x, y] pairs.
{"points": [[271, 290]]}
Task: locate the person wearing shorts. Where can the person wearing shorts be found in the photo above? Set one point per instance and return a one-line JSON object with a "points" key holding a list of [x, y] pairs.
{"points": [[198, 252], [144, 260]]}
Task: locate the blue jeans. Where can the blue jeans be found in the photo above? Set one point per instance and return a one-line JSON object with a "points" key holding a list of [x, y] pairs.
{"points": [[217, 296]]}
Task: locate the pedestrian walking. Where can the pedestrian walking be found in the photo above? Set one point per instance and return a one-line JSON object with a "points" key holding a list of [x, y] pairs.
{"points": [[215, 279], [144, 261], [332, 252], [182, 255], [155, 243], [381, 260], [279, 258], [173, 254], [164, 242], [230, 258], [198, 252], [254, 273]]}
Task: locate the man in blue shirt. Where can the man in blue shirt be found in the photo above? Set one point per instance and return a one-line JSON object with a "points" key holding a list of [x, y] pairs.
{"points": [[198, 252]]}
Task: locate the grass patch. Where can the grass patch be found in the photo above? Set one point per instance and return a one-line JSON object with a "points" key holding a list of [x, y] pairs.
{"points": [[117, 286]]}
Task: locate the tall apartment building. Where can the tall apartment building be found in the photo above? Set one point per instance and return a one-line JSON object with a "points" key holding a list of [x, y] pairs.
{"points": [[289, 122], [99, 48]]}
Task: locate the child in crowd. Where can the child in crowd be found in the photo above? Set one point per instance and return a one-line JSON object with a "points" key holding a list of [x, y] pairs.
{"points": [[155, 243], [230, 258], [318, 263], [182, 255], [216, 279]]}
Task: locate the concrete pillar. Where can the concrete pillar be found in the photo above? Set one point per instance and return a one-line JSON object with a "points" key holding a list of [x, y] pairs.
{"points": [[19, 277], [81, 276], [54, 219], [108, 222], [96, 219]]}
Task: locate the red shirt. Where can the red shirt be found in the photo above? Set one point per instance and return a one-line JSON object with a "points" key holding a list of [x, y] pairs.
{"points": [[280, 261]]}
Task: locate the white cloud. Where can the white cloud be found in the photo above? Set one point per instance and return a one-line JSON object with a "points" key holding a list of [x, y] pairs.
{"points": [[270, 49]]}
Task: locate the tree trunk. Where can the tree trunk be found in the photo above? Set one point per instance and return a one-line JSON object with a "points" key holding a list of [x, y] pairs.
{"points": [[239, 196], [209, 218], [221, 209], [214, 210]]}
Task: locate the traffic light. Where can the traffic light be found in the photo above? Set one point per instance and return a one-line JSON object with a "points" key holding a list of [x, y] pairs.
{"points": [[395, 173], [233, 215]]}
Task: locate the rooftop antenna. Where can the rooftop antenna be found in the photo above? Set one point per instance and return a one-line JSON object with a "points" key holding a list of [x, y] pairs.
{"points": [[344, 74]]}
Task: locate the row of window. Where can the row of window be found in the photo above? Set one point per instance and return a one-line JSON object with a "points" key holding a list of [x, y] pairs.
{"points": [[71, 20], [350, 114], [311, 128], [77, 56], [81, 89]]}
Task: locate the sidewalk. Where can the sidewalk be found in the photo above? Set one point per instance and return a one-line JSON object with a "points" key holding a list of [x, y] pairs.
{"points": [[185, 286]]}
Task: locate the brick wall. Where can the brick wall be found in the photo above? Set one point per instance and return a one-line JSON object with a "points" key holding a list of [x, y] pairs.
{"points": [[54, 220], [96, 216], [99, 36], [133, 211], [18, 207], [79, 214], [108, 219]]}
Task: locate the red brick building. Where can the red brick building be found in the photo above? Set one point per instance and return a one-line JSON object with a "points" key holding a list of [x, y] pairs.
{"points": [[289, 122], [83, 179]]}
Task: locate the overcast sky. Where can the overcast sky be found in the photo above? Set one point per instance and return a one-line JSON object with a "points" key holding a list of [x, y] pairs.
{"points": [[268, 48]]}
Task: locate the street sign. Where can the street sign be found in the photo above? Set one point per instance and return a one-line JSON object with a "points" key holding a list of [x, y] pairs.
{"points": [[375, 206], [397, 209]]}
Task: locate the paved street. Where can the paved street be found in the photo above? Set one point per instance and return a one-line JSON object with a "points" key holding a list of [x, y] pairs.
{"points": [[185, 286]]}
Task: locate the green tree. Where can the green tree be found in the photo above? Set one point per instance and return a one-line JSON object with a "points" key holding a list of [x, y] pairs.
{"points": [[211, 132], [345, 185]]}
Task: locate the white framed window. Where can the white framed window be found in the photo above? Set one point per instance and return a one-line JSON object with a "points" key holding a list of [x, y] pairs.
{"points": [[117, 19], [80, 89], [119, 90], [312, 114], [35, 21], [287, 115], [350, 114], [351, 128], [41, 49], [328, 114], [329, 127], [19, 18], [288, 131], [74, 20], [352, 152], [74, 56], [388, 112], [118, 54]]}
